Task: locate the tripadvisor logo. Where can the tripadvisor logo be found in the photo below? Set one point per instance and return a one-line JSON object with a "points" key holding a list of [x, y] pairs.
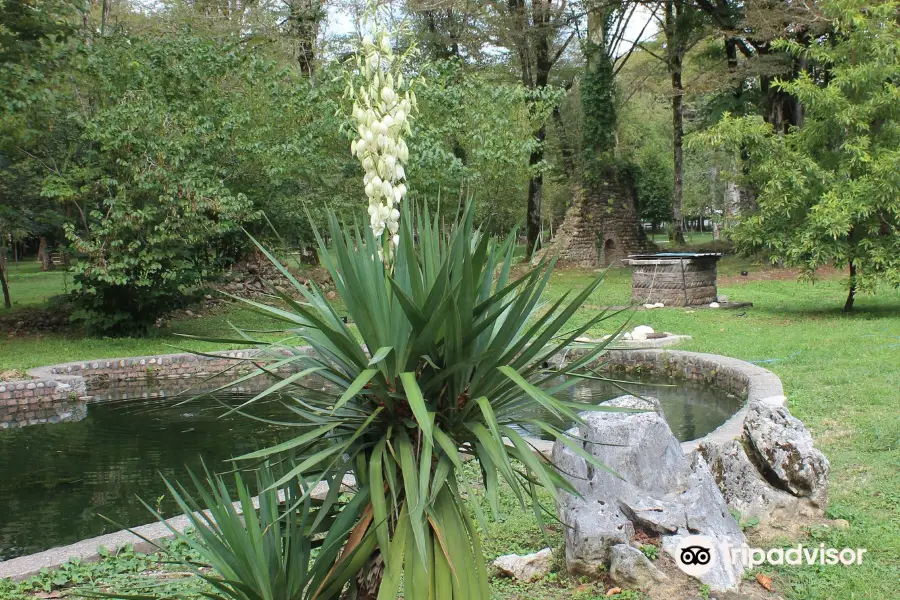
{"points": [[696, 555]]}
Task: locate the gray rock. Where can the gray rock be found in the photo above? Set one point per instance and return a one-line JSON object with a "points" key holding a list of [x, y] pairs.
{"points": [[784, 447], [629, 567], [655, 487], [527, 567], [745, 490]]}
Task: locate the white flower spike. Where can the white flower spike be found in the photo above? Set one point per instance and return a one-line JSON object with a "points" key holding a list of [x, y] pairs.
{"points": [[381, 113]]}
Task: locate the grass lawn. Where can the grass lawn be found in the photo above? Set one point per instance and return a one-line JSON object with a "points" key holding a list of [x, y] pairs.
{"points": [[841, 374]]}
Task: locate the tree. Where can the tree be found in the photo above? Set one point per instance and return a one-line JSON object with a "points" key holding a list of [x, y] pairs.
{"points": [[537, 32], [828, 192], [7, 302], [681, 27]]}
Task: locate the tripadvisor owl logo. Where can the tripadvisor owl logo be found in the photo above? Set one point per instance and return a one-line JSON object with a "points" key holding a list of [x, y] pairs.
{"points": [[696, 555]]}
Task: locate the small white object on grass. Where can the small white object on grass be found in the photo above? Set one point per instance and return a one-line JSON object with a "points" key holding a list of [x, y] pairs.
{"points": [[641, 332], [714, 305]]}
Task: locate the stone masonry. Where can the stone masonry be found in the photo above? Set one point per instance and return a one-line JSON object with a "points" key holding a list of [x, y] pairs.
{"points": [[601, 227], [60, 392]]}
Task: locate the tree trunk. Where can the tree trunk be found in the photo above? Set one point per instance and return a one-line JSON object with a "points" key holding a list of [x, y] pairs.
{"points": [[44, 255], [675, 56], [535, 194], [677, 236], [304, 17], [851, 295], [3, 283]]}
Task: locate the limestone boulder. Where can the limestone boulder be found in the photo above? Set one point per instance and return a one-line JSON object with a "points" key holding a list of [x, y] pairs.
{"points": [[744, 488], [630, 568], [783, 447], [527, 567]]}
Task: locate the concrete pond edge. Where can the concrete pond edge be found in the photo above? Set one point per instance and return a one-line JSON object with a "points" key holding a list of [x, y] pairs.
{"points": [[71, 380]]}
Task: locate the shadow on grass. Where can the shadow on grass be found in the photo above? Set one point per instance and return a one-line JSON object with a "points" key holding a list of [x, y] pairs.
{"points": [[864, 312]]}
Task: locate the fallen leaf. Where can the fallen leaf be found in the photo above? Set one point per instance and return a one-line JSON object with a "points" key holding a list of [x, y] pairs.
{"points": [[53, 594], [613, 592], [764, 581]]}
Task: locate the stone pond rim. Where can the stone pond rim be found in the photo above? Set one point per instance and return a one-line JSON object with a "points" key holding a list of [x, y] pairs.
{"points": [[745, 380]]}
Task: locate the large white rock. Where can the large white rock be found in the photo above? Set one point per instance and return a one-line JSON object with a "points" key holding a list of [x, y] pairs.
{"points": [[653, 485], [527, 567]]}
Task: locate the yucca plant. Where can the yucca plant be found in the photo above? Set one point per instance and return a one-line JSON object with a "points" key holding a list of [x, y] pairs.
{"points": [[444, 354], [258, 548]]}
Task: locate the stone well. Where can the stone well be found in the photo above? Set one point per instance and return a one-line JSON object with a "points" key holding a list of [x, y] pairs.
{"points": [[674, 278]]}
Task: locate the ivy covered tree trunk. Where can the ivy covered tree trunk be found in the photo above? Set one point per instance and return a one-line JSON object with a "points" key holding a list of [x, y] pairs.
{"points": [[304, 17], [598, 91]]}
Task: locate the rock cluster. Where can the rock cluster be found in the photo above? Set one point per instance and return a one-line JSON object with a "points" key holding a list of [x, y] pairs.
{"points": [[650, 487]]}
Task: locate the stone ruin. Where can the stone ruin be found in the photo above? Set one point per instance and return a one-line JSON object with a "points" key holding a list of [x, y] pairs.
{"points": [[601, 228]]}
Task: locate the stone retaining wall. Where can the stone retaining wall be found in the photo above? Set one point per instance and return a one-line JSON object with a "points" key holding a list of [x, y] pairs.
{"points": [[41, 400], [59, 392]]}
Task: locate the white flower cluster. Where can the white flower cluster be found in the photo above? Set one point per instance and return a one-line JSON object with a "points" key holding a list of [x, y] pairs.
{"points": [[382, 116]]}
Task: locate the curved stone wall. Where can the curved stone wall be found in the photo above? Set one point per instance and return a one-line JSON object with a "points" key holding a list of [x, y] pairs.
{"points": [[744, 380]]}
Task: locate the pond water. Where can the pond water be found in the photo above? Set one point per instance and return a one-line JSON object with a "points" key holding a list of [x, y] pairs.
{"points": [[56, 479]]}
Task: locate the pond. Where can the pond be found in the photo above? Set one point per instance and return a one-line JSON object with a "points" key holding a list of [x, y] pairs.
{"points": [[56, 479]]}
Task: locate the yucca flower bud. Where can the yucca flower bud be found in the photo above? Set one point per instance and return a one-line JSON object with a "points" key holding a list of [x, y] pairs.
{"points": [[367, 41], [386, 45]]}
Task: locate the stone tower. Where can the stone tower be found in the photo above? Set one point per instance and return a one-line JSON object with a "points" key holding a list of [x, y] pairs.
{"points": [[601, 227]]}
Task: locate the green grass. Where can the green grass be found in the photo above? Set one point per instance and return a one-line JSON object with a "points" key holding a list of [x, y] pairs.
{"points": [[841, 374], [691, 237], [28, 286]]}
